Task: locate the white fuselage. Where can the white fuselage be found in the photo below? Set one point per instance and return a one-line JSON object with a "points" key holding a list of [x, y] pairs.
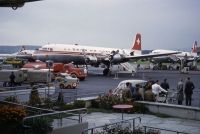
{"points": [[79, 49]]}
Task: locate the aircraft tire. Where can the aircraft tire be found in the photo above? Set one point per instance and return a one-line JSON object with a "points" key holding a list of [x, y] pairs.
{"points": [[68, 86], [82, 79], [74, 85]]}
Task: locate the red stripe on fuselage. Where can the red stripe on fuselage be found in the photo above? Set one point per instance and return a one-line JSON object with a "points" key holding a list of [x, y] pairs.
{"points": [[40, 52]]}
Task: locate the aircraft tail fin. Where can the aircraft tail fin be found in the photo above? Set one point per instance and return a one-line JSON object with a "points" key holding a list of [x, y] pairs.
{"points": [[194, 48], [137, 47]]}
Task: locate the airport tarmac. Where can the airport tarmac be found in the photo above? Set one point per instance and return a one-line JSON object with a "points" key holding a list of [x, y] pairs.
{"points": [[98, 83], [95, 84]]}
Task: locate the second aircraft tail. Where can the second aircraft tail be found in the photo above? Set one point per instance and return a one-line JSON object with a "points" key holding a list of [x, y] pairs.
{"points": [[137, 47]]}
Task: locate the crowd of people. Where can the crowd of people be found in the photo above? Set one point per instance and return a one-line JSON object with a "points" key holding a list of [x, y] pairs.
{"points": [[153, 89]]}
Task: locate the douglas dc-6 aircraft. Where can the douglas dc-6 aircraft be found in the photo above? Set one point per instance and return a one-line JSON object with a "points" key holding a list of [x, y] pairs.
{"points": [[14, 3], [185, 56], [94, 56]]}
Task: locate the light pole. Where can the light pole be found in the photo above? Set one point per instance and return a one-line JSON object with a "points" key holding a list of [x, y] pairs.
{"points": [[49, 64]]}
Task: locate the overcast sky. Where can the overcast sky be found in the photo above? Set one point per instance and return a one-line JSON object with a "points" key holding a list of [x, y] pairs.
{"points": [[167, 24]]}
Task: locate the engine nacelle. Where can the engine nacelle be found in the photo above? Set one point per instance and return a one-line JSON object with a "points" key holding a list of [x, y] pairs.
{"points": [[116, 58], [91, 59]]}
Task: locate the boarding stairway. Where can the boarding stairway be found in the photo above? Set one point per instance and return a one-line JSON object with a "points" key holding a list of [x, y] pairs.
{"points": [[127, 67]]}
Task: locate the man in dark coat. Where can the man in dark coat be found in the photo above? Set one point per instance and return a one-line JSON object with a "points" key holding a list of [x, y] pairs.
{"points": [[189, 87], [12, 79], [165, 85]]}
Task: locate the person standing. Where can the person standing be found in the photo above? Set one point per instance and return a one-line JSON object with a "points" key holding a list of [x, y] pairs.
{"points": [[165, 85], [180, 92], [189, 87], [148, 95], [12, 79], [137, 96], [156, 89]]}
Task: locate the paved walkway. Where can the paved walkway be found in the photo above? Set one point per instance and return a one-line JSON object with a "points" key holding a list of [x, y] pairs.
{"points": [[182, 125]]}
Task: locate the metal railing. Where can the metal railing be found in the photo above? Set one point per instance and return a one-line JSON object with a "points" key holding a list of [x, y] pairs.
{"points": [[74, 114], [60, 116], [133, 120], [149, 128], [141, 129], [26, 86], [22, 94]]}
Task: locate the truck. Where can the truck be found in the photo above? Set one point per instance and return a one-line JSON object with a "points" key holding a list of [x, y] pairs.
{"points": [[57, 68], [38, 76], [80, 73], [5, 74], [25, 76]]}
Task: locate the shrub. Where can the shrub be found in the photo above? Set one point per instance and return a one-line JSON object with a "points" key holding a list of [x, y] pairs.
{"points": [[79, 103], [66, 107], [12, 99], [40, 125], [48, 103], [119, 129], [95, 104], [34, 99], [11, 119], [106, 102], [139, 108]]}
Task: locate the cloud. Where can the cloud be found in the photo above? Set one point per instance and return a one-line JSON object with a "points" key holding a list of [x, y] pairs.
{"points": [[172, 24]]}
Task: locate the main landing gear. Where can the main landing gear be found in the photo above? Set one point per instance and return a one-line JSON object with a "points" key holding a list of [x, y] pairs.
{"points": [[106, 71]]}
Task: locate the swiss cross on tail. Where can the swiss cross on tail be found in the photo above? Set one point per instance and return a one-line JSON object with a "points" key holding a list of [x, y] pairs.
{"points": [[137, 43]]}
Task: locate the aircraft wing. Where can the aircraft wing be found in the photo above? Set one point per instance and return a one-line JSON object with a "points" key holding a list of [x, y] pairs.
{"points": [[32, 0], [6, 2], [148, 56], [20, 56], [14, 3]]}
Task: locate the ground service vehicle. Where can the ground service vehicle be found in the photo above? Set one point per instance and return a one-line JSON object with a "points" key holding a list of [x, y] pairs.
{"points": [[59, 68], [75, 72], [25, 76], [5, 74], [17, 63], [67, 81]]}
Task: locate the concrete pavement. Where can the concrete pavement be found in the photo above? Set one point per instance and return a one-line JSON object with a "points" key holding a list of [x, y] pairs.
{"points": [[182, 125]]}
